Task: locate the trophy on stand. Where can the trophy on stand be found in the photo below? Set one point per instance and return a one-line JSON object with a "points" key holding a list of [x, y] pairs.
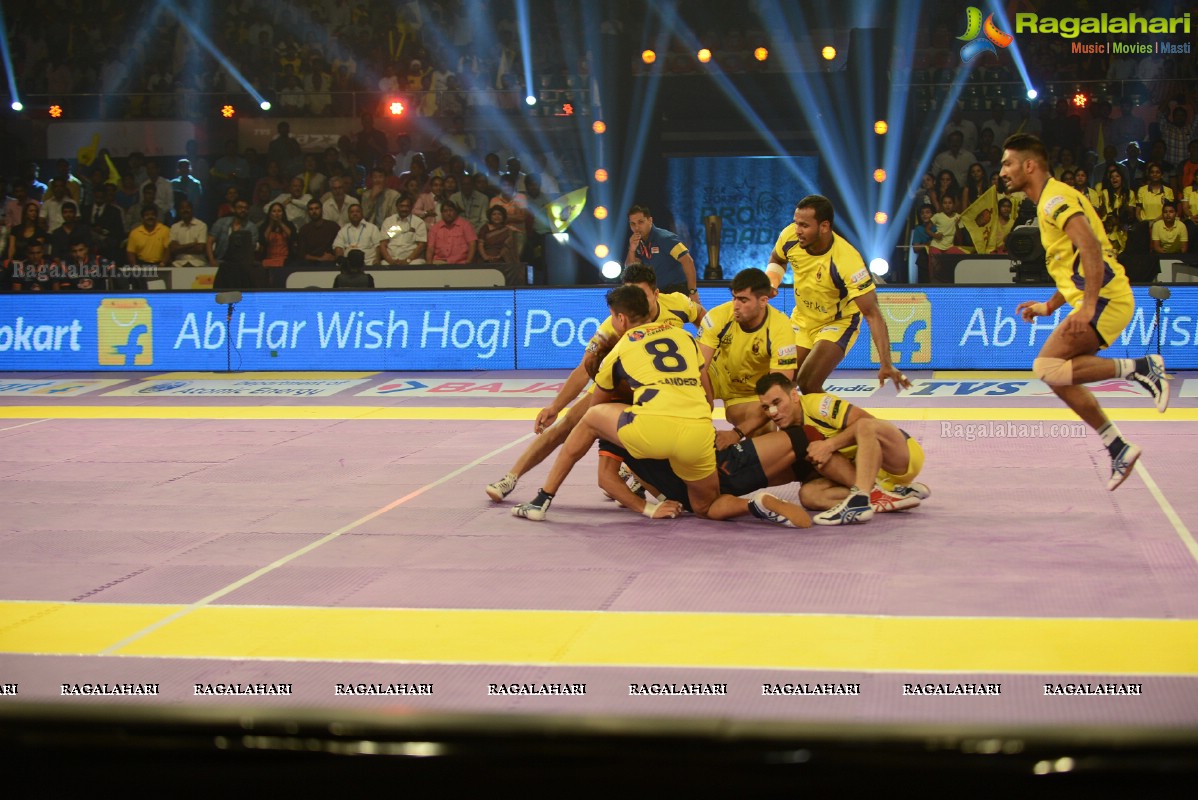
{"points": [[715, 227]]}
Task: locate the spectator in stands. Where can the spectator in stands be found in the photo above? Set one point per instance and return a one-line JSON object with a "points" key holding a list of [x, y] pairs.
{"points": [[285, 150], [473, 203], [959, 123], [336, 205], [1177, 130], [417, 170], [1100, 126], [405, 236], [516, 174], [538, 224], [292, 100], [1081, 182], [189, 239], [199, 164], [516, 205], [51, 210], [107, 223], [353, 273], [954, 158], [947, 226], [149, 243], [404, 153], [164, 192], [86, 268], [452, 240], [1065, 163], [496, 241], [318, 84], [428, 203], [358, 234], [976, 184], [273, 179], [128, 195], [1117, 199], [276, 240], [35, 188], [314, 242], [1135, 169], [14, 204], [1004, 224], [378, 202], [1109, 160], [1188, 169], [70, 229], [187, 185], [922, 234], [1169, 237], [1151, 197], [294, 202], [1127, 127], [371, 143], [946, 186], [223, 228], [231, 168], [313, 179], [31, 273], [74, 185]]}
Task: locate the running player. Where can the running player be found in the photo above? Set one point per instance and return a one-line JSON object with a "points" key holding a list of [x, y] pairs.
{"points": [[886, 459], [674, 309], [1089, 278], [833, 291], [741, 342], [670, 416]]}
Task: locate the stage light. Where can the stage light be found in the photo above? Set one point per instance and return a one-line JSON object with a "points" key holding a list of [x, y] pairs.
{"points": [[601, 175], [704, 55], [1032, 94], [530, 100], [761, 54], [227, 112], [879, 266], [17, 105], [601, 251], [599, 126], [611, 269], [648, 56], [1080, 100], [881, 218], [880, 127], [600, 212], [396, 108], [879, 175], [828, 53], [56, 111], [264, 105]]}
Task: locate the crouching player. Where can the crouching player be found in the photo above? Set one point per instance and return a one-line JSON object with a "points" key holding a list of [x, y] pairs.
{"points": [[886, 459]]}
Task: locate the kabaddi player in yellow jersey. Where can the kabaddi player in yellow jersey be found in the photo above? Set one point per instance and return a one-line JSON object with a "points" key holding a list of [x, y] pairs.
{"points": [[670, 416], [1083, 266], [674, 309], [833, 292], [741, 341], [886, 459]]}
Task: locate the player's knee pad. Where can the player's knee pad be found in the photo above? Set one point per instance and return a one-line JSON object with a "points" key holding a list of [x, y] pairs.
{"points": [[1054, 371]]}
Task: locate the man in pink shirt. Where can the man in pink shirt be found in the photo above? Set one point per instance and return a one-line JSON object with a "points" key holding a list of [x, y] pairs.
{"points": [[452, 240]]}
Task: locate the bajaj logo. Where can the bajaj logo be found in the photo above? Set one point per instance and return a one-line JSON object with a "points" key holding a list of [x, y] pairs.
{"points": [[908, 318], [124, 329], [980, 38]]}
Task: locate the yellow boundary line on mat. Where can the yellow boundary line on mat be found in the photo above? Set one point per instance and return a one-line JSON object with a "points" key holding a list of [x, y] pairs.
{"points": [[596, 638], [493, 413]]}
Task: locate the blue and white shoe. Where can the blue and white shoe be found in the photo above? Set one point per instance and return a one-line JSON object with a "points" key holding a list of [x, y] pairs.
{"points": [[1122, 465], [534, 510], [766, 506], [1156, 382], [916, 489], [852, 510]]}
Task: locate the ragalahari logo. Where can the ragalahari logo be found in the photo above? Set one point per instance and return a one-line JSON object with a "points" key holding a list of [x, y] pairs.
{"points": [[981, 37]]}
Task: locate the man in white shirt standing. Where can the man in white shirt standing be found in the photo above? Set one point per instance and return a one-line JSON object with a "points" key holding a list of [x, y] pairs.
{"points": [[405, 237], [358, 234]]}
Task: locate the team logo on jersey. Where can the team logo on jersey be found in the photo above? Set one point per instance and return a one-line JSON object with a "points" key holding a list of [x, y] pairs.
{"points": [[636, 336], [756, 347], [981, 37], [908, 318]]}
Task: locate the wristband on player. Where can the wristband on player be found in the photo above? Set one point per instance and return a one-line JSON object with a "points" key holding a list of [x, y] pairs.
{"points": [[738, 432], [650, 508]]}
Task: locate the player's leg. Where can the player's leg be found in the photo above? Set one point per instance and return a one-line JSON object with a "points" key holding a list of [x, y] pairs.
{"points": [[822, 494], [540, 448], [747, 414], [831, 343], [599, 421]]}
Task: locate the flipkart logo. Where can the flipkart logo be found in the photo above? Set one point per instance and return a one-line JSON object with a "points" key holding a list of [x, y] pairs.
{"points": [[908, 318], [125, 332], [981, 37]]}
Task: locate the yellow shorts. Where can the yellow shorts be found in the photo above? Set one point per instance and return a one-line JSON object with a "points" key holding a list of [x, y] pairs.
{"points": [[914, 465], [841, 332], [688, 444], [1111, 318], [731, 392]]}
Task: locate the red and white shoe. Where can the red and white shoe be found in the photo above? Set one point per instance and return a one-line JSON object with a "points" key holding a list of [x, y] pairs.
{"points": [[882, 501]]}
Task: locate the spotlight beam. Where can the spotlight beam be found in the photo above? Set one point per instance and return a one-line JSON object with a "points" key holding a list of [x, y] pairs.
{"points": [[203, 41], [1004, 24], [522, 27], [7, 56]]}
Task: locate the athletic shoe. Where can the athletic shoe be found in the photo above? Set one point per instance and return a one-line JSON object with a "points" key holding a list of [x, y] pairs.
{"points": [[882, 501], [502, 487], [916, 489], [1122, 464], [534, 510], [853, 509], [766, 506], [1156, 382]]}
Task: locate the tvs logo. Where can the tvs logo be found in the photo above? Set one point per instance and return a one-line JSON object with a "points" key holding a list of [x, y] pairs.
{"points": [[980, 38]]}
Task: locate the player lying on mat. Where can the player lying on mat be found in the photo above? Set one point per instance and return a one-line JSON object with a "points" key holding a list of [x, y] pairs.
{"points": [[672, 309], [670, 416], [886, 459], [744, 468]]}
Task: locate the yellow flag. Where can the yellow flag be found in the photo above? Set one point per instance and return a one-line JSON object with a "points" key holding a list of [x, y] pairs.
{"points": [[981, 227], [114, 177], [565, 209]]}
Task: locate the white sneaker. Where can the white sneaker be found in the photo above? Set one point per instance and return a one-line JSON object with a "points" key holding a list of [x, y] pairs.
{"points": [[502, 488]]}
